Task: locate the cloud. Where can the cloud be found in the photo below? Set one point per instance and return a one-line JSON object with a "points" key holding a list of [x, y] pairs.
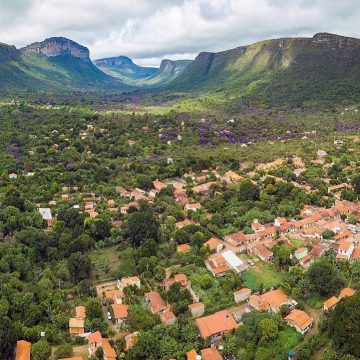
{"points": [[149, 30]]}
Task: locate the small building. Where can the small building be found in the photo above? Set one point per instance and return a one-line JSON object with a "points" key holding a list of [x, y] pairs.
{"points": [[216, 326], [114, 296], [330, 303], [157, 305], [47, 216], [23, 350], [346, 292], [80, 312], [345, 250], [183, 248], [210, 354], [192, 207], [120, 312], [214, 245], [301, 321], [233, 261], [263, 253], [271, 301], [95, 341], [130, 340], [217, 265], [109, 351], [197, 309], [242, 295], [76, 326]]}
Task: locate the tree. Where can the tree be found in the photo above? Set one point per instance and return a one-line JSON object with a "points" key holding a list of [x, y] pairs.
{"points": [[99, 229], [142, 225], [284, 310], [268, 330], [356, 184], [41, 350], [79, 266], [64, 351], [282, 256], [344, 326], [248, 191], [323, 277], [328, 234]]}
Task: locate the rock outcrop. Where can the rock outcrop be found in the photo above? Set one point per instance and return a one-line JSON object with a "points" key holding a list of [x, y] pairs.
{"points": [[8, 52]]}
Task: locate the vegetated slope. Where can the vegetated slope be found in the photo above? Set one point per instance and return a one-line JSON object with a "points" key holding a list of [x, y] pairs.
{"points": [[124, 69], [57, 63], [289, 71]]}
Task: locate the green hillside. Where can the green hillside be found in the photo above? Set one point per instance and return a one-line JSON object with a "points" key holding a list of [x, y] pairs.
{"points": [[287, 71]]}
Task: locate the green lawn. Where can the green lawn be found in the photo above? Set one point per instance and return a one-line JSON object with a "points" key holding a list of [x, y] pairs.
{"points": [[296, 243], [262, 273]]}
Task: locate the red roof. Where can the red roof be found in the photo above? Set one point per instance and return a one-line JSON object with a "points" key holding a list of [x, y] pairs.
{"points": [[219, 322], [23, 350], [95, 338]]}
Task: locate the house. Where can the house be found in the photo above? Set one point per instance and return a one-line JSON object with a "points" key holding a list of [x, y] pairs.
{"points": [[80, 312], [236, 239], [271, 301], [342, 236], [263, 253], [268, 232], [128, 281], [183, 248], [256, 226], [301, 321], [46, 216], [231, 177], [216, 326], [186, 222], [233, 261], [346, 292], [214, 245], [158, 185], [210, 354], [120, 312], [23, 350], [197, 309], [345, 250], [157, 305], [203, 188], [279, 221], [109, 352], [336, 189], [76, 326], [300, 253], [217, 265], [114, 296], [180, 278], [242, 295], [95, 341], [192, 207], [330, 303], [180, 196]]}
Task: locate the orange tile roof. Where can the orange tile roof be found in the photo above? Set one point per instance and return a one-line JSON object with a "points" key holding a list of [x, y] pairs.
{"points": [[356, 253], [166, 316], [196, 305], [212, 243], [23, 350], [130, 340], [80, 312], [243, 290], [346, 292], [210, 354], [113, 294], [191, 355], [331, 302], [344, 245], [299, 318], [183, 248], [270, 300], [120, 311], [222, 321], [108, 350], [182, 278], [76, 323], [156, 301], [95, 338]]}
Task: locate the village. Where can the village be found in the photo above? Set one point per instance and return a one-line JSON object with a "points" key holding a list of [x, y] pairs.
{"points": [[314, 232]]}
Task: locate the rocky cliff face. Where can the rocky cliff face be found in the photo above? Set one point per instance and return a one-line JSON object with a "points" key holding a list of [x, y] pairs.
{"points": [[8, 52], [58, 46]]}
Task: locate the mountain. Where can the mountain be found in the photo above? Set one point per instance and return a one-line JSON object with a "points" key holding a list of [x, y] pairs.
{"points": [[285, 71], [123, 68], [55, 63]]}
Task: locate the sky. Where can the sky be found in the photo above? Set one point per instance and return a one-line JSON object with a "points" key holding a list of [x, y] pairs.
{"points": [[150, 30]]}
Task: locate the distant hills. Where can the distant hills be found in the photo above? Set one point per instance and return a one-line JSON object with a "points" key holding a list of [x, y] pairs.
{"points": [[280, 72], [123, 68], [55, 63], [284, 71]]}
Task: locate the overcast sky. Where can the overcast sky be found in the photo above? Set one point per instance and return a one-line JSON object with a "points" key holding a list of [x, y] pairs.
{"points": [[149, 30]]}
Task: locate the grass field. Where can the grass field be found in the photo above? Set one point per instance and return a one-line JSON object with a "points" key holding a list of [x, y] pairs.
{"points": [[104, 262], [262, 273]]}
